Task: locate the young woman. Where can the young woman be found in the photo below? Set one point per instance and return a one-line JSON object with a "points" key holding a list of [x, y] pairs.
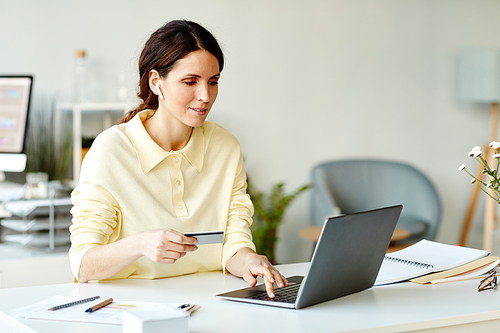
{"points": [[165, 171]]}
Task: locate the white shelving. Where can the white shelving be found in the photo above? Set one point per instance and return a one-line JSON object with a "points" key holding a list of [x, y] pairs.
{"points": [[78, 109], [42, 223], [35, 224], [41, 240]]}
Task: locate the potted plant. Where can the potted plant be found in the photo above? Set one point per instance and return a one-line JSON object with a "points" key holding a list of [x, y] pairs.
{"points": [[269, 212], [43, 153]]}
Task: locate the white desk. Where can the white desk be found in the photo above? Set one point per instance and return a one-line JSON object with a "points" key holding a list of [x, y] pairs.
{"points": [[18, 264], [395, 308]]}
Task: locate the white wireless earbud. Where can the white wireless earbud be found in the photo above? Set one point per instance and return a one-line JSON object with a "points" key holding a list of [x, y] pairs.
{"points": [[158, 90]]}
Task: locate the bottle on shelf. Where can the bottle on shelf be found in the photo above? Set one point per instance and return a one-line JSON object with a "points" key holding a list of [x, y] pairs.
{"points": [[81, 91]]}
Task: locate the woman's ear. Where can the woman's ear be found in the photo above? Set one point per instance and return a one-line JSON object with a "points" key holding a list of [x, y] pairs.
{"points": [[154, 83]]}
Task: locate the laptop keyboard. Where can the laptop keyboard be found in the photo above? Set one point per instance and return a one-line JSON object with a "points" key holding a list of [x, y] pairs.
{"points": [[283, 295]]}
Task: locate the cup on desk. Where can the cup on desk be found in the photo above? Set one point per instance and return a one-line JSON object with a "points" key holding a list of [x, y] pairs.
{"points": [[37, 185]]}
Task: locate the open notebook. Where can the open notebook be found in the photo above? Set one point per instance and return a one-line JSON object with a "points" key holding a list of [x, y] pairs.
{"points": [[423, 258]]}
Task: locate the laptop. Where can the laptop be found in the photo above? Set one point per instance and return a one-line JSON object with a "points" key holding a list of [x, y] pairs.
{"points": [[347, 258]]}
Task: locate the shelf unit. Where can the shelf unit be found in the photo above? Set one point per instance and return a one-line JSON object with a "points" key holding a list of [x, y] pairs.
{"points": [[78, 109], [43, 222]]}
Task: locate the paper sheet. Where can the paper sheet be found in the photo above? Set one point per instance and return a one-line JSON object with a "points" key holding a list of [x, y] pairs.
{"points": [[473, 274], [111, 314]]}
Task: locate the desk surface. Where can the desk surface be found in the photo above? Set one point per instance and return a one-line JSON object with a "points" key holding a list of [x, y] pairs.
{"points": [[393, 308]]}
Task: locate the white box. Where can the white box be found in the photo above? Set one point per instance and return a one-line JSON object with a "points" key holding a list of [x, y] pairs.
{"points": [[159, 320]]}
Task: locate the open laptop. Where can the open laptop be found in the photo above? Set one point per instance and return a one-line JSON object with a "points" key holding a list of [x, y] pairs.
{"points": [[347, 258]]}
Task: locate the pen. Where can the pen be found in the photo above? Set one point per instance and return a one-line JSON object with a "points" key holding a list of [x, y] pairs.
{"points": [[100, 305], [183, 306], [62, 306], [189, 307]]}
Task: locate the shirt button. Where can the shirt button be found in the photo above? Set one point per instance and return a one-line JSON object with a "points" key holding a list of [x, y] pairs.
{"points": [[178, 182], [180, 207], [176, 159]]}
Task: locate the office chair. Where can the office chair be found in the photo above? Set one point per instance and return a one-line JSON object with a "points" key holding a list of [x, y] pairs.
{"points": [[349, 186]]}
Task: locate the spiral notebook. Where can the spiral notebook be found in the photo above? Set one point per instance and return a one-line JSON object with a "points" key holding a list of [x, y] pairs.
{"points": [[423, 258]]}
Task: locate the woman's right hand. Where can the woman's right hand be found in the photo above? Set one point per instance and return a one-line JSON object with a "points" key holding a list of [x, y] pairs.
{"points": [[165, 246]]}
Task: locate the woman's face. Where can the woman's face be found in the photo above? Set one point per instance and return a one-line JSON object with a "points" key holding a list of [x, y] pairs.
{"points": [[190, 88]]}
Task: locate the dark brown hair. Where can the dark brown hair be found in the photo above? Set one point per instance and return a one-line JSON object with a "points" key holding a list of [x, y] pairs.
{"points": [[172, 42]]}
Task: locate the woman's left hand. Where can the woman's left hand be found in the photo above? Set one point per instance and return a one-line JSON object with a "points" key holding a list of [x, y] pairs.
{"points": [[248, 265]]}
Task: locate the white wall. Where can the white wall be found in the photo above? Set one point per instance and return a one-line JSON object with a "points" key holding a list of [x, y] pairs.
{"points": [[305, 81]]}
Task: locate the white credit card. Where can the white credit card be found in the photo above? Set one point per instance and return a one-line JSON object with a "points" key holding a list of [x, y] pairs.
{"points": [[207, 237]]}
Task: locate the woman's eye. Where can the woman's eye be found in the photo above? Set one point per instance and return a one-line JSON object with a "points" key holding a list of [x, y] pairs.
{"points": [[190, 83], [213, 83]]}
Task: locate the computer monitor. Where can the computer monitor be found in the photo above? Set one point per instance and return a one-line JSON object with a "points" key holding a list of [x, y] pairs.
{"points": [[15, 97]]}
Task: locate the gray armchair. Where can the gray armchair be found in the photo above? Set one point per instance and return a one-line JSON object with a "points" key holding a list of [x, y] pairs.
{"points": [[349, 186]]}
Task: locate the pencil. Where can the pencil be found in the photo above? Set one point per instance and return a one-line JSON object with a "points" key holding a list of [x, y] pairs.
{"points": [[62, 306], [100, 305]]}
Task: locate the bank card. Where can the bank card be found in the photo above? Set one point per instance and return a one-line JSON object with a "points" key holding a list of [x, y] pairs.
{"points": [[207, 237]]}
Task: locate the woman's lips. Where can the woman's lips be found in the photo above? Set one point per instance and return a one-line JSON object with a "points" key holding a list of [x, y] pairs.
{"points": [[199, 110]]}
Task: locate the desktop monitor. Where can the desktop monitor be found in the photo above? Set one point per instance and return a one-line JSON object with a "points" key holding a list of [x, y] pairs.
{"points": [[15, 97]]}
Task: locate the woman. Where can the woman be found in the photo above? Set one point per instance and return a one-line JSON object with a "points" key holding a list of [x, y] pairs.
{"points": [[163, 172]]}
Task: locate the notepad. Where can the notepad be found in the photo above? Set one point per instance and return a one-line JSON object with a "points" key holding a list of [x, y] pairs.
{"points": [[423, 258]]}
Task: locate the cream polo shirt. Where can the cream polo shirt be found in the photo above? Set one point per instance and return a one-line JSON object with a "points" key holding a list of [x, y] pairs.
{"points": [[129, 184]]}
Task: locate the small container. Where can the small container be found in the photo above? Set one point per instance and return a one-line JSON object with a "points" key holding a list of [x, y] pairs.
{"points": [[37, 185], [81, 89], [160, 319]]}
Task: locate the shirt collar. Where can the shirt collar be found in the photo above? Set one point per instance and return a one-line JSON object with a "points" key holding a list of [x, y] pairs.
{"points": [[150, 154]]}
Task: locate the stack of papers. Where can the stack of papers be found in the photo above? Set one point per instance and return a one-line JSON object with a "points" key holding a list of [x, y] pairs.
{"points": [[110, 314], [473, 270]]}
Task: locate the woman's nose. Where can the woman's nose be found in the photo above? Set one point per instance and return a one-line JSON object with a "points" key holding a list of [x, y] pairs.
{"points": [[203, 93]]}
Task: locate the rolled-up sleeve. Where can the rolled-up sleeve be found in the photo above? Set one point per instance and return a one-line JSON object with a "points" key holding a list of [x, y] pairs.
{"points": [[94, 221], [238, 233]]}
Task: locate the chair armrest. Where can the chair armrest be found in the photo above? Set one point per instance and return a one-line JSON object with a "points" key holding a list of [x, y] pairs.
{"points": [[322, 203]]}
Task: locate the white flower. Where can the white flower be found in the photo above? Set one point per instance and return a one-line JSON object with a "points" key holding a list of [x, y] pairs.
{"points": [[494, 144], [496, 155], [488, 186], [476, 151], [473, 181], [460, 168]]}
